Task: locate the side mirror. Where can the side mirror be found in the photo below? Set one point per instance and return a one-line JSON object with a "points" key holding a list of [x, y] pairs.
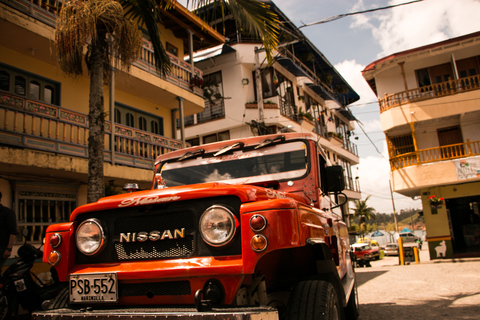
{"points": [[335, 179]]}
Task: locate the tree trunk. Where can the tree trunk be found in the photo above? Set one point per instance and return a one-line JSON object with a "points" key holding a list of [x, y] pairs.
{"points": [[96, 120]]}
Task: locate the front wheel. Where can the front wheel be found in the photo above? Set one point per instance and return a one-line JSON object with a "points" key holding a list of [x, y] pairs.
{"points": [[5, 307], [314, 300]]}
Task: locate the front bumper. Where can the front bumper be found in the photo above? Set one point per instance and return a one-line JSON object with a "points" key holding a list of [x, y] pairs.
{"points": [[253, 313]]}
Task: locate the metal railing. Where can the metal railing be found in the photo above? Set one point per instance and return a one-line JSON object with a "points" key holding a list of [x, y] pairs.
{"points": [[430, 92], [450, 152], [36, 125]]}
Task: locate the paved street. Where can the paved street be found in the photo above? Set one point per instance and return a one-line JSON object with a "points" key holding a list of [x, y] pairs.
{"points": [[448, 289]]}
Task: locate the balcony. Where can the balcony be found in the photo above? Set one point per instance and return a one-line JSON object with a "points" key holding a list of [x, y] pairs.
{"points": [[450, 152], [35, 125], [46, 12], [433, 91]]}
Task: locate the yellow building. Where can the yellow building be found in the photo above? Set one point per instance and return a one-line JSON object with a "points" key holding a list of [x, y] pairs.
{"points": [[43, 113], [430, 113]]}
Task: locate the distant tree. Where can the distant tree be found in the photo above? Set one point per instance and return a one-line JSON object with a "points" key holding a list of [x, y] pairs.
{"points": [[364, 212]]}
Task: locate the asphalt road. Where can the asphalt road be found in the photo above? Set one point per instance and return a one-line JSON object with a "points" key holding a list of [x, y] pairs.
{"points": [[446, 289]]}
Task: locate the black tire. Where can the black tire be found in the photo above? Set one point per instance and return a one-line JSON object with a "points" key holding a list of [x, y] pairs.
{"points": [[314, 300], [5, 307], [61, 300], [351, 310]]}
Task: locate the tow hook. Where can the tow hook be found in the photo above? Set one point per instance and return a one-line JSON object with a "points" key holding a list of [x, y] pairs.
{"points": [[202, 305]]}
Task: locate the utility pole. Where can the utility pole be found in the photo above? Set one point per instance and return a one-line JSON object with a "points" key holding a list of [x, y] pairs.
{"points": [[258, 79], [393, 204]]}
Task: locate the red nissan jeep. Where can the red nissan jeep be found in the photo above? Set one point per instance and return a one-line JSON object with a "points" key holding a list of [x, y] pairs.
{"points": [[240, 229]]}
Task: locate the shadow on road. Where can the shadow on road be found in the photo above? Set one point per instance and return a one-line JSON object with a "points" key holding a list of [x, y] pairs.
{"points": [[365, 276], [427, 310]]}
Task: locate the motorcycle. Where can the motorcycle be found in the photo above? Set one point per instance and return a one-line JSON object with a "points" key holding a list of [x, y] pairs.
{"points": [[19, 286]]}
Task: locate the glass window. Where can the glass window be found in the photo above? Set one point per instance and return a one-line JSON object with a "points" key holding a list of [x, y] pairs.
{"points": [[118, 116], [48, 94], [4, 80], [277, 162], [34, 90], [130, 119], [142, 123], [20, 85], [154, 126]]}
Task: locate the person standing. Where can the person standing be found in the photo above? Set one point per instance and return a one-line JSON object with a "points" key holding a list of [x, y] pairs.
{"points": [[8, 232]]}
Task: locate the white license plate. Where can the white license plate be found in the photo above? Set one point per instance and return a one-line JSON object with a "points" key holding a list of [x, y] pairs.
{"points": [[91, 288]]}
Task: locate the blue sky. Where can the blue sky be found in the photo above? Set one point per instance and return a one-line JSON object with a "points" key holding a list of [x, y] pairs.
{"points": [[353, 42]]}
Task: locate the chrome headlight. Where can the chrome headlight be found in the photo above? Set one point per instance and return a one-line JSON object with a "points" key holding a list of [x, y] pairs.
{"points": [[90, 237], [217, 226]]}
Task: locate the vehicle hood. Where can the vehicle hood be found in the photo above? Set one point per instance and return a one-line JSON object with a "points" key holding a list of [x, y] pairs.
{"points": [[246, 193]]}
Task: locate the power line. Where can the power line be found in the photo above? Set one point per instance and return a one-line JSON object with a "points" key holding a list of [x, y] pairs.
{"points": [[333, 18]]}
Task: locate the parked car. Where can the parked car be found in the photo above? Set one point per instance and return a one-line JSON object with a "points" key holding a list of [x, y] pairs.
{"points": [[391, 249], [364, 251], [409, 237]]}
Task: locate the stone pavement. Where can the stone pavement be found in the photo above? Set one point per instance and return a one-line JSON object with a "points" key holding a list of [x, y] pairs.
{"points": [[438, 289]]}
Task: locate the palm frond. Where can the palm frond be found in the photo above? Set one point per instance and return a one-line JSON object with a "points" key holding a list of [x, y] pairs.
{"points": [[252, 16], [146, 13], [256, 18]]}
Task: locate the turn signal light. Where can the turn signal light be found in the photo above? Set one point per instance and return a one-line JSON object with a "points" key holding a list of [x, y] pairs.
{"points": [[258, 222], [54, 258], [55, 240], [259, 242]]}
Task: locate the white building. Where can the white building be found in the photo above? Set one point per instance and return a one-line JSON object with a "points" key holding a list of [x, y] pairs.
{"points": [[430, 113], [300, 92]]}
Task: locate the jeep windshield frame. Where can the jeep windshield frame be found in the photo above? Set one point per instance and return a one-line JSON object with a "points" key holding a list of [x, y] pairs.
{"points": [[283, 161]]}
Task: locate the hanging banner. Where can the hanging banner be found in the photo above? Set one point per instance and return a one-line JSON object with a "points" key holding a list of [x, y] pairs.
{"points": [[467, 168]]}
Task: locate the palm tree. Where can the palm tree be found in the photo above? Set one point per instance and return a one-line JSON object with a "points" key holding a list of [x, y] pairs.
{"points": [[108, 29], [364, 212]]}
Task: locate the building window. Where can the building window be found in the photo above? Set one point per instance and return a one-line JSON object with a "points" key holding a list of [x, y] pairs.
{"points": [[4, 80], [138, 119], [20, 84], [220, 136], [194, 141], [118, 116], [155, 128], [129, 119], [34, 90], [38, 209], [23, 83], [142, 123], [402, 145]]}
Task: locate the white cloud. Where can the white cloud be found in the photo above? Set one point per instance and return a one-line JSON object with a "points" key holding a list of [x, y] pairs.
{"points": [[405, 27], [374, 174], [351, 71]]}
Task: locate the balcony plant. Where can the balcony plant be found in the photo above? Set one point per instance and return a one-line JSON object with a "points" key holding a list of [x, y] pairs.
{"points": [[435, 202]]}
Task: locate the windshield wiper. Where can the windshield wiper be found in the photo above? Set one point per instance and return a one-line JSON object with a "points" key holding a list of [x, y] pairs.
{"points": [[191, 154], [228, 148], [269, 142]]}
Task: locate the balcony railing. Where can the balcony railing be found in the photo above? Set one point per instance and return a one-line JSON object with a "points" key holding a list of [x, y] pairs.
{"points": [[181, 71], [450, 152], [36, 125], [430, 92]]}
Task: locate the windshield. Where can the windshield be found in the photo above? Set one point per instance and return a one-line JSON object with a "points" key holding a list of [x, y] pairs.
{"points": [[277, 162]]}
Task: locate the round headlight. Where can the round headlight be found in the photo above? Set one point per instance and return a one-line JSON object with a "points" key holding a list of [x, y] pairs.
{"points": [[90, 237], [217, 226]]}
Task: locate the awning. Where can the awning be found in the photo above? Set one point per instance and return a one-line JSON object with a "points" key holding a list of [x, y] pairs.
{"points": [[347, 114], [291, 67], [210, 53]]}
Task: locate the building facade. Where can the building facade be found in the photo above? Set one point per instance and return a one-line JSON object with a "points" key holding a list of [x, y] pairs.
{"points": [[430, 114], [43, 113], [300, 91]]}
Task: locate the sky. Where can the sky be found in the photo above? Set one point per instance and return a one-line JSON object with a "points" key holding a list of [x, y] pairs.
{"points": [[353, 42]]}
